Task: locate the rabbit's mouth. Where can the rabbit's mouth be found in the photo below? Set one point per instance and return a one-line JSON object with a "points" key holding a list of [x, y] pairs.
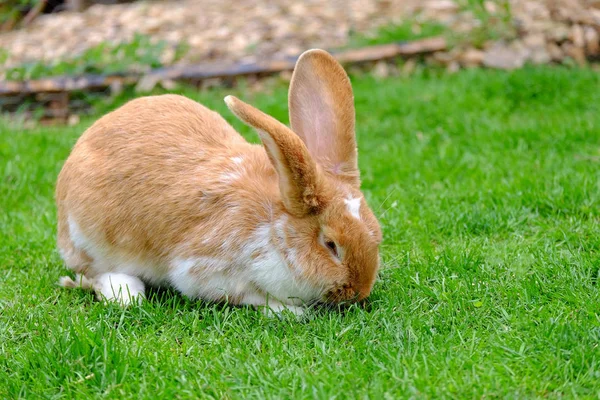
{"points": [[342, 294]]}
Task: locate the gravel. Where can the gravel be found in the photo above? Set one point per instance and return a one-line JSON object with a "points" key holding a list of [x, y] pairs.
{"points": [[537, 31]]}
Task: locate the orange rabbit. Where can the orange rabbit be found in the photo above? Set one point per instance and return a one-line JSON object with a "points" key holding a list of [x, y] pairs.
{"points": [[165, 191]]}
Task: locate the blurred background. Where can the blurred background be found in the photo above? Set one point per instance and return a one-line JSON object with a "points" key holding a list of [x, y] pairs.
{"points": [[208, 40]]}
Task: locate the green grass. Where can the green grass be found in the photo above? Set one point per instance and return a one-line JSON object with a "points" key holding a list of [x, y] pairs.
{"points": [[405, 31], [487, 186], [491, 26]]}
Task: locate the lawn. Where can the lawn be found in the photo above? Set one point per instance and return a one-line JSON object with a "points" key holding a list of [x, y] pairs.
{"points": [[487, 185]]}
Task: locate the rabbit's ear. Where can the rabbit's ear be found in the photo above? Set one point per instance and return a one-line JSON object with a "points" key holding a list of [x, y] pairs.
{"points": [[321, 106], [300, 182]]}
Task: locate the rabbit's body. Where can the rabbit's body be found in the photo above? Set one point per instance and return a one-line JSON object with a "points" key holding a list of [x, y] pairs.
{"points": [[176, 201], [165, 191]]}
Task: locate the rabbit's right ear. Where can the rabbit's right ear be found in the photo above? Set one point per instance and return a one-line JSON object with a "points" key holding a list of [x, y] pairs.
{"points": [[321, 106]]}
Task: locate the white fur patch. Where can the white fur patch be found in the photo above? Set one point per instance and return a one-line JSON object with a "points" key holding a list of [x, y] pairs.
{"points": [[280, 226], [209, 264], [122, 288], [271, 271], [292, 258], [230, 176], [209, 278], [237, 160], [65, 255], [353, 206], [210, 236], [80, 281], [77, 237]]}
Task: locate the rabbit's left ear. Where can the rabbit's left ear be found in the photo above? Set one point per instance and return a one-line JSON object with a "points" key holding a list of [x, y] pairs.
{"points": [[300, 181], [321, 107]]}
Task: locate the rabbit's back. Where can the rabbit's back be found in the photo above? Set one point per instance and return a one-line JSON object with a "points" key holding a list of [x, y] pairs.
{"points": [[157, 123]]}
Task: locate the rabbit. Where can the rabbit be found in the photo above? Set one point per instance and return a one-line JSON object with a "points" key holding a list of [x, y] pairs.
{"points": [[163, 191]]}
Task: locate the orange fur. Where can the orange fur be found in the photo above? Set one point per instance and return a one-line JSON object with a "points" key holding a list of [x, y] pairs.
{"points": [[165, 190]]}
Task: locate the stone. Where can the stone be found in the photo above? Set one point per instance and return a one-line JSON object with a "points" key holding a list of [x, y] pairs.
{"points": [[592, 41], [575, 53], [555, 52], [381, 70], [471, 58], [577, 36], [502, 56], [536, 45], [453, 67]]}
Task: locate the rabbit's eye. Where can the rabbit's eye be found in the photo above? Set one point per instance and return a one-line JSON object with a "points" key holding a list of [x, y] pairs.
{"points": [[331, 246]]}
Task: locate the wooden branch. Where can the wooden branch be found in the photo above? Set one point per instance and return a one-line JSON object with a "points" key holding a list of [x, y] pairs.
{"points": [[62, 84], [34, 12], [200, 72]]}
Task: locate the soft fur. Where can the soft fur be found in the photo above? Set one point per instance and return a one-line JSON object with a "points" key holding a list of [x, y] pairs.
{"points": [[164, 190]]}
